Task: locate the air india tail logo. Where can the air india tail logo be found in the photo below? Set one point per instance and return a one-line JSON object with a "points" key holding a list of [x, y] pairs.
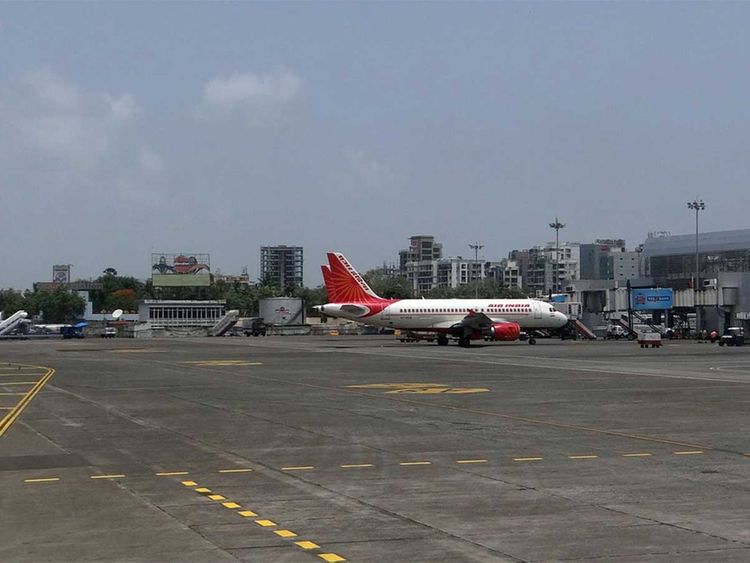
{"points": [[343, 282]]}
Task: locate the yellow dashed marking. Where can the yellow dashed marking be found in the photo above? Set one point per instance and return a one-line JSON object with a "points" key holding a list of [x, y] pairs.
{"points": [[689, 452], [331, 557], [4, 383], [172, 473], [112, 476], [306, 544], [420, 388], [353, 465], [238, 470], [7, 408], [471, 461], [42, 480], [265, 523], [285, 533], [225, 363], [247, 513], [298, 468], [189, 483], [230, 505], [528, 458], [217, 497], [12, 394], [415, 463], [202, 490], [638, 454], [583, 456]]}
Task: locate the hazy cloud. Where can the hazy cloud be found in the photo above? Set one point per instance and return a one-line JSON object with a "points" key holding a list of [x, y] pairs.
{"points": [[256, 95], [360, 173], [52, 118], [123, 108], [151, 161]]}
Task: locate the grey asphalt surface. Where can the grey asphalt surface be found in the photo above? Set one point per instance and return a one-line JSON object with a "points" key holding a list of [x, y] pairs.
{"points": [[367, 449]]}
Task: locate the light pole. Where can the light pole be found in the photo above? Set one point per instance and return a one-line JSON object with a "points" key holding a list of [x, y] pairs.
{"points": [[476, 247], [557, 225], [696, 205]]}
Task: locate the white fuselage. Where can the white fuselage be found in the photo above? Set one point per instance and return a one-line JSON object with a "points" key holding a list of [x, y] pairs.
{"points": [[441, 314]]}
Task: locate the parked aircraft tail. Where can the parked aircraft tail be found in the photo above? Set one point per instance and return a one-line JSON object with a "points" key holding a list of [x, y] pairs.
{"points": [[343, 283]]}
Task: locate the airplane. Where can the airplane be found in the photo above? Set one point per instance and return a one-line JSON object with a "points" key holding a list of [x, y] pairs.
{"points": [[463, 319]]}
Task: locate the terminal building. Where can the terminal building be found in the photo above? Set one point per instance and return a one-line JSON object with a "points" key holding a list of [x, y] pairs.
{"points": [[722, 288], [671, 259], [720, 298]]}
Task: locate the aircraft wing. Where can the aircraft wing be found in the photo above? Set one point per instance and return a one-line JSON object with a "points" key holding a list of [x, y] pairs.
{"points": [[473, 322]]}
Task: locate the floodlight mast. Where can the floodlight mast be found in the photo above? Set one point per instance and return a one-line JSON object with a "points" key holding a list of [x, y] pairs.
{"points": [[557, 225], [476, 247], [696, 205]]}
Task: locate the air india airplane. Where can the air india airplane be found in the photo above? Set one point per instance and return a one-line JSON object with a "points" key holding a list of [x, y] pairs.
{"points": [[463, 319]]}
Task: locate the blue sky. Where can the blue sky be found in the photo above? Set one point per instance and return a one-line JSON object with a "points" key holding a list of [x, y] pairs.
{"points": [[129, 128]]}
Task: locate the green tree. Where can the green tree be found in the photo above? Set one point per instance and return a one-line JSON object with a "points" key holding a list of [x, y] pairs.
{"points": [[387, 286], [125, 299], [108, 297], [311, 297], [58, 306], [12, 301]]}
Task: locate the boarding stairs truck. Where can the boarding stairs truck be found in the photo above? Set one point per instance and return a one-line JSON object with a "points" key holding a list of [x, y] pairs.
{"points": [[11, 323], [225, 323], [582, 329]]}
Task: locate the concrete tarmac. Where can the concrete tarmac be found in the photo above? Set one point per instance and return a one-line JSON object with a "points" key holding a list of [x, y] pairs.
{"points": [[367, 449]]}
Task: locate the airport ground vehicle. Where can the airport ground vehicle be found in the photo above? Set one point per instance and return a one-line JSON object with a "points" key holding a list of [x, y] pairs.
{"points": [[615, 332], [734, 336], [74, 331], [256, 328], [649, 339], [109, 332]]}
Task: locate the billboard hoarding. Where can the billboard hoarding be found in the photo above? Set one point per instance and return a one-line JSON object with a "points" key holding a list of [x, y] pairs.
{"points": [[61, 273], [180, 270], [650, 299], [183, 280]]}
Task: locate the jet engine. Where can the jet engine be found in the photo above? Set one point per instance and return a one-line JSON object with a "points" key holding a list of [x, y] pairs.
{"points": [[504, 331]]}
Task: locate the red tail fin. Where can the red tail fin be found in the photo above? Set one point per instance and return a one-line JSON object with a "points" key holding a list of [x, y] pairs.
{"points": [[343, 282], [333, 295]]}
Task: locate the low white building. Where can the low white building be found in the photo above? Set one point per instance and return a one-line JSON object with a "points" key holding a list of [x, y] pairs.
{"points": [[180, 313]]}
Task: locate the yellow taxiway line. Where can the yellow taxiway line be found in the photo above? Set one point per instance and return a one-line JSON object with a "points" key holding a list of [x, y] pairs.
{"points": [[16, 411]]}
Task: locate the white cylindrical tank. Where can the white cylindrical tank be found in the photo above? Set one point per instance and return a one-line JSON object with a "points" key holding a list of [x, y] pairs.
{"points": [[282, 311]]}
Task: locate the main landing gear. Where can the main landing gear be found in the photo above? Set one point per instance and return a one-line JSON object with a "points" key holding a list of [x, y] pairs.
{"points": [[442, 340], [464, 341], [532, 340]]}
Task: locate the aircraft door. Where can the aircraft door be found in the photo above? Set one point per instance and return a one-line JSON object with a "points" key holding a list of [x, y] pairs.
{"points": [[537, 309]]}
